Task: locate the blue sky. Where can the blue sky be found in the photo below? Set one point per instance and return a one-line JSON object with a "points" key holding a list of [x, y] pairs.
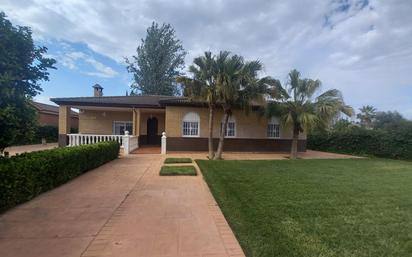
{"points": [[78, 68], [362, 48]]}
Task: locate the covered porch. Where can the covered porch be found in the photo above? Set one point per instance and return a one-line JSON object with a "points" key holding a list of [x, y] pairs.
{"points": [[142, 126]]}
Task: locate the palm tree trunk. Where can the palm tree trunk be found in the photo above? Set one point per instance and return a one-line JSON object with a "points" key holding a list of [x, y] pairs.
{"points": [[210, 139], [218, 155], [294, 148]]}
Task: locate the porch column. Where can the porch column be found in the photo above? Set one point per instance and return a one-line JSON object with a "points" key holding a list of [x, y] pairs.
{"points": [[64, 124], [136, 122]]}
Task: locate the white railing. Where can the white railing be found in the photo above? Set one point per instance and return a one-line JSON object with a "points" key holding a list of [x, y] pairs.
{"points": [[127, 142], [87, 139], [163, 143], [130, 143]]}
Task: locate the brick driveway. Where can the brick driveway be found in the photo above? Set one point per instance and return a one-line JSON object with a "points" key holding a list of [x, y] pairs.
{"points": [[120, 209]]}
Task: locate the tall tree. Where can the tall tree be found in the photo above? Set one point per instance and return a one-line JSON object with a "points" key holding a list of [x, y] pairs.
{"points": [[390, 121], [159, 60], [301, 110], [202, 86], [22, 66], [238, 86], [367, 116]]}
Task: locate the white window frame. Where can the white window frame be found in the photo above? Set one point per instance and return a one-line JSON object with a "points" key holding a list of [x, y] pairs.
{"points": [[275, 122], [191, 117], [231, 120], [124, 124]]}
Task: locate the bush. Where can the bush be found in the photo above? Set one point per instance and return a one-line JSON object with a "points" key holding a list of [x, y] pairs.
{"points": [[50, 133], [380, 143], [24, 176]]}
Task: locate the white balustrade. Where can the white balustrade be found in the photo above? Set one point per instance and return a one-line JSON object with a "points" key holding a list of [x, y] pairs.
{"points": [[130, 143], [86, 139], [163, 146]]}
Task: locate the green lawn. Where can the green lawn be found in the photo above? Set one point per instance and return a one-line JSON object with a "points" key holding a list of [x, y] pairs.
{"points": [[178, 171], [178, 160], [316, 207]]}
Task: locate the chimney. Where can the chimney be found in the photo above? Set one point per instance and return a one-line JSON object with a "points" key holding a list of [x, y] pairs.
{"points": [[98, 90]]}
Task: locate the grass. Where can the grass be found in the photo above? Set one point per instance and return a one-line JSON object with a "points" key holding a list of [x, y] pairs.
{"points": [[178, 171], [178, 160], [356, 207]]}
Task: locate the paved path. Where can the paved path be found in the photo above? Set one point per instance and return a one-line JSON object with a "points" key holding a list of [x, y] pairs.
{"points": [[309, 154], [120, 209]]}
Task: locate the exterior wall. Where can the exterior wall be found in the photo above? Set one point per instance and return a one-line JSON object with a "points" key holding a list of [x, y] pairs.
{"points": [[101, 122], [251, 132], [48, 119], [247, 126]]}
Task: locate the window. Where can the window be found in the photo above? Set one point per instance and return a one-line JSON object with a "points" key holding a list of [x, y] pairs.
{"points": [[119, 127], [190, 126], [231, 127], [273, 129]]}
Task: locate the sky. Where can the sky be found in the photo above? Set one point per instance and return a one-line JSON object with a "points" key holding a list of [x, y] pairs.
{"points": [[363, 48]]}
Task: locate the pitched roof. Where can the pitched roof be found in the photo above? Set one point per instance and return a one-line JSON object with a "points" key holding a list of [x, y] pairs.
{"points": [[47, 108], [145, 101]]}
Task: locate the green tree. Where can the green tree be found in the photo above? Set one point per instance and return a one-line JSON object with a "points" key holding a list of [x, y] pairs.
{"points": [[159, 60], [366, 116], [390, 121], [22, 66], [342, 125], [301, 111], [237, 86], [202, 86]]}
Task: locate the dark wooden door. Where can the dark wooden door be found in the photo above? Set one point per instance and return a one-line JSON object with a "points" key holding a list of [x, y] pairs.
{"points": [[152, 131]]}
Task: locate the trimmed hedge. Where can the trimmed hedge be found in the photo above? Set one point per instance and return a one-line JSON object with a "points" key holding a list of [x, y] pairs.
{"points": [[24, 176], [379, 143]]}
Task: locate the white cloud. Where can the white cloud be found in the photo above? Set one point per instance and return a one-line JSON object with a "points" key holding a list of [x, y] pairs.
{"points": [[44, 99], [72, 59], [360, 47]]}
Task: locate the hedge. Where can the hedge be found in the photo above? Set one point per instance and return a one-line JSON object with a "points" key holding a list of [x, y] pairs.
{"points": [[24, 176], [379, 143]]}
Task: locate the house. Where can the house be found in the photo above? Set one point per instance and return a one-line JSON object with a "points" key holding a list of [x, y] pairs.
{"points": [[185, 123], [48, 115]]}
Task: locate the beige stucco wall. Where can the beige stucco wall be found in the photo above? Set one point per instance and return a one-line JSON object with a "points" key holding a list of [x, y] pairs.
{"points": [[247, 126], [101, 122]]}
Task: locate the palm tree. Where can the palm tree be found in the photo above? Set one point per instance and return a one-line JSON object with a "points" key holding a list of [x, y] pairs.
{"points": [[237, 86], [202, 86], [301, 110], [366, 116]]}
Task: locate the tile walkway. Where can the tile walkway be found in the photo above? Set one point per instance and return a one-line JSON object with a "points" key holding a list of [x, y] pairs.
{"points": [[121, 209]]}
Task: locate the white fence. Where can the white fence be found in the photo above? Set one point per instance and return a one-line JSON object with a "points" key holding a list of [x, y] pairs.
{"points": [[128, 143]]}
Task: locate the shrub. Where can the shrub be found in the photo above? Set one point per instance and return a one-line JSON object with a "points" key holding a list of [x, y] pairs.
{"points": [[24, 176], [50, 133], [380, 143]]}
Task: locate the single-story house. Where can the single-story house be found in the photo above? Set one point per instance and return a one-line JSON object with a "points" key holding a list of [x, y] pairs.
{"points": [[185, 123], [48, 115]]}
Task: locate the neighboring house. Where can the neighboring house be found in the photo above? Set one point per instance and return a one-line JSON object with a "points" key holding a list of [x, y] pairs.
{"points": [[48, 115], [185, 123]]}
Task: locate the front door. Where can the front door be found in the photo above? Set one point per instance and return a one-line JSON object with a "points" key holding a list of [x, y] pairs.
{"points": [[152, 137]]}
